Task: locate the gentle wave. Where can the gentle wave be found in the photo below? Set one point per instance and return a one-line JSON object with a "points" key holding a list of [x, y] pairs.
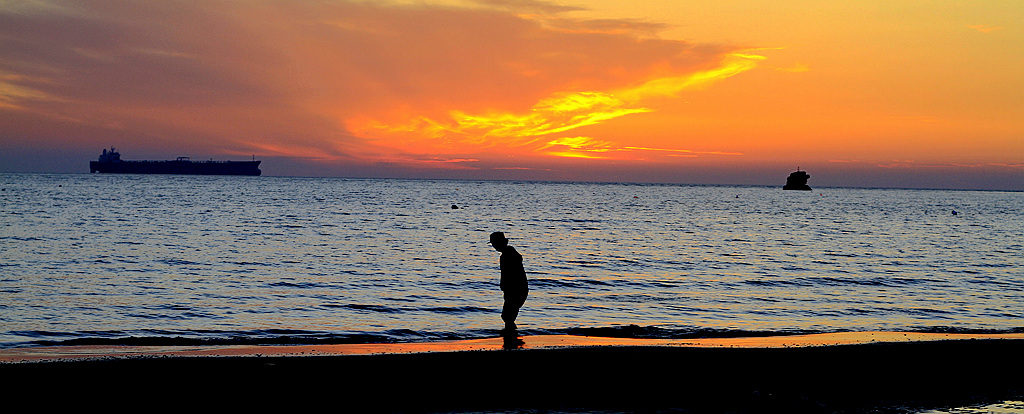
{"points": [[297, 337], [101, 257]]}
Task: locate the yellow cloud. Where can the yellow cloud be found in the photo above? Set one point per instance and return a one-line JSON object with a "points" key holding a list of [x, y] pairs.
{"points": [[732, 65], [686, 152], [576, 147], [586, 147], [576, 101], [559, 112]]}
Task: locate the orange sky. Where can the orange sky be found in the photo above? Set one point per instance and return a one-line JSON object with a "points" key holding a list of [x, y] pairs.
{"points": [[860, 93]]}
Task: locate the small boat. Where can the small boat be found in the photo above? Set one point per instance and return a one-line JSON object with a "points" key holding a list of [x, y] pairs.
{"points": [[797, 181]]}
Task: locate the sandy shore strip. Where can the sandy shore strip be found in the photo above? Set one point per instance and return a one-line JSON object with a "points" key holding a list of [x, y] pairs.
{"points": [[870, 372], [59, 353]]}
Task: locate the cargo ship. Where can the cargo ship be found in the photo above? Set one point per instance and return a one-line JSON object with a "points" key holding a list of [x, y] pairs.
{"points": [[110, 162]]}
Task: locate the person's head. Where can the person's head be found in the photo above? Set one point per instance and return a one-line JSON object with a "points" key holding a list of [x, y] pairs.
{"points": [[498, 241]]}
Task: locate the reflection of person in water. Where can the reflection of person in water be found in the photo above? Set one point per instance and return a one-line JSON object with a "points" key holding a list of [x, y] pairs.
{"points": [[513, 280]]}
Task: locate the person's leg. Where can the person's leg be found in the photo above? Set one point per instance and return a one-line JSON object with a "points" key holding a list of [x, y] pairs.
{"points": [[510, 310]]}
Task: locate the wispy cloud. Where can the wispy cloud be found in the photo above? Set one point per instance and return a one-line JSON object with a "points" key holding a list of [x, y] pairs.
{"points": [[340, 81], [558, 113]]}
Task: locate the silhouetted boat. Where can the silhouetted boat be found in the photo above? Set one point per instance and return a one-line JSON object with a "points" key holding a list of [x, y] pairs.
{"points": [[110, 162], [797, 181]]}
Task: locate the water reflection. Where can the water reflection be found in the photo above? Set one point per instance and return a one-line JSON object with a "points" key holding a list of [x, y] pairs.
{"points": [[1005, 407], [511, 339], [141, 254]]}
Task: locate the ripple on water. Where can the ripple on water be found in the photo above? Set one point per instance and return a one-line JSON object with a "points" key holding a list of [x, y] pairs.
{"points": [[103, 256]]}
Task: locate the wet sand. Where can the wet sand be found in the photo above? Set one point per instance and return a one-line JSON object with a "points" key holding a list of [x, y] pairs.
{"points": [[844, 372]]}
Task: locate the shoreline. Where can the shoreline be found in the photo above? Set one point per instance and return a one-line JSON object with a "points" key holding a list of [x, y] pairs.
{"points": [[876, 372], [79, 352]]}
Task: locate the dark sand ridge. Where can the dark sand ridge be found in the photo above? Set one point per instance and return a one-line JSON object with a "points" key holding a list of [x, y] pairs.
{"points": [[843, 372]]}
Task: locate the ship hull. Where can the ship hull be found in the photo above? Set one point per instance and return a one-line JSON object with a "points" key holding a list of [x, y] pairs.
{"points": [[177, 167]]}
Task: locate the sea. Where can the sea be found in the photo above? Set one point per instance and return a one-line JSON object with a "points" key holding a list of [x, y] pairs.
{"points": [[166, 259]]}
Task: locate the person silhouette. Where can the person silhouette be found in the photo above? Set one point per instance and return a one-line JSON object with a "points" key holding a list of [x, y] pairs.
{"points": [[513, 285]]}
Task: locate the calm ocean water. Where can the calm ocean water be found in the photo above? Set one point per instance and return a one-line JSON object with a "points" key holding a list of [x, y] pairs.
{"points": [[174, 259]]}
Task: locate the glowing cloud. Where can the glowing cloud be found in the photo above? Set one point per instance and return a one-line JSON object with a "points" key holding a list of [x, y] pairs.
{"points": [[352, 82], [535, 89], [732, 65], [557, 113], [577, 147]]}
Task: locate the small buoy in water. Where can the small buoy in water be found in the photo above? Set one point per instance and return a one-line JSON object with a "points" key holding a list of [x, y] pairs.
{"points": [[455, 207]]}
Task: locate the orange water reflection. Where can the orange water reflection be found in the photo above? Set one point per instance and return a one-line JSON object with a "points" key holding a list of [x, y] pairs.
{"points": [[487, 344]]}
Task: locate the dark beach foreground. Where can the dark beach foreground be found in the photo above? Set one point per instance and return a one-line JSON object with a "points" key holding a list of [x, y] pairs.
{"points": [[821, 374]]}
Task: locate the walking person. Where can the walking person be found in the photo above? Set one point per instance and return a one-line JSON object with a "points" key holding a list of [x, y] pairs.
{"points": [[513, 280]]}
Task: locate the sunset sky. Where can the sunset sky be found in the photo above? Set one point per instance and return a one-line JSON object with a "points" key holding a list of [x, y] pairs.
{"points": [[868, 93]]}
